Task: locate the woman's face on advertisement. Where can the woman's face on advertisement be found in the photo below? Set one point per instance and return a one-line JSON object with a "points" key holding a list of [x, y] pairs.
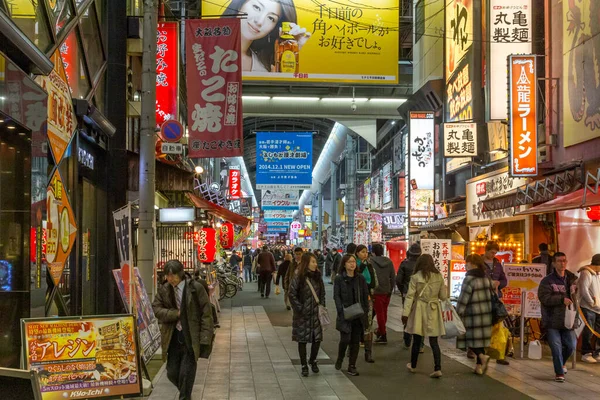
{"points": [[261, 18]]}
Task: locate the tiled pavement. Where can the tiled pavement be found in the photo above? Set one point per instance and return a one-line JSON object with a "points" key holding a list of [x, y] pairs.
{"points": [[253, 360]]}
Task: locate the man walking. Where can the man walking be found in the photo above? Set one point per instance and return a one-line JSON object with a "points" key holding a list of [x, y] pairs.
{"points": [[384, 268], [266, 267], [236, 263], [328, 261], [556, 293], [544, 258], [405, 272], [335, 266], [588, 291], [320, 260], [187, 329]]}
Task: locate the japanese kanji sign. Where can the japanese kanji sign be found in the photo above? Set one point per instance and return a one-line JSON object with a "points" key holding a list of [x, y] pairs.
{"points": [[526, 278], [235, 183], [214, 88], [458, 271], [460, 139], [167, 71], [279, 200], [509, 33], [523, 115], [421, 167], [441, 251], [61, 228], [83, 357]]}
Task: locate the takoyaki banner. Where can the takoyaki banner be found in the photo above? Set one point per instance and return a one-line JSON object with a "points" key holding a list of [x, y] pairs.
{"points": [[83, 357], [310, 41]]}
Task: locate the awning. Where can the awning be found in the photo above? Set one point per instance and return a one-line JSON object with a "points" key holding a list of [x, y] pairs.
{"points": [[569, 201], [446, 223], [219, 211], [501, 202]]}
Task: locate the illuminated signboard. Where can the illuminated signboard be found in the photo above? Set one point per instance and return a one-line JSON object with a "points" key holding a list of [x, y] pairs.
{"points": [[421, 167], [167, 71]]}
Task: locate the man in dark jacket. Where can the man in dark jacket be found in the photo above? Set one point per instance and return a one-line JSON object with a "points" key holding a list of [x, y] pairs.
{"points": [[544, 258], [184, 311], [328, 261], [320, 260], [265, 266], [336, 265], [556, 293], [405, 272], [384, 268]]}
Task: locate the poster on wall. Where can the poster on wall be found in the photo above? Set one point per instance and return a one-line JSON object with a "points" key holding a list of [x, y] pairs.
{"points": [[214, 88], [387, 186], [361, 227], [359, 41], [280, 199], [83, 357], [61, 227], [509, 33], [284, 160], [167, 72], [376, 227], [460, 139], [441, 251]]}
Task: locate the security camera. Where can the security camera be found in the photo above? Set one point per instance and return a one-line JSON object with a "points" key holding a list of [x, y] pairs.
{"points": [[353, 107]]}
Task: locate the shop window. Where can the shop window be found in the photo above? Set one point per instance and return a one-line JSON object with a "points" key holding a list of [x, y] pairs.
{"points": [[30, 17], [61, 12], [92, 41], [71, 53]]}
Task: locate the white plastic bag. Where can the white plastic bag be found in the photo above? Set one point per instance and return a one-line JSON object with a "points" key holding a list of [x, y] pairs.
{"points": [[534, 351], [570, 314], [452, 323]]}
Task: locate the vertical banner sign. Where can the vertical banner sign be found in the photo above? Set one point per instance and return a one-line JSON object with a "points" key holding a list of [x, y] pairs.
{"points": [[460, 139], [214, 88], [387, 186], [421, 147], [235, 183], [167, 71], [376, 227], [441, 251], [122, 220], [398, 153], [83, 357], [367, 192], [375, 195], [459, 60], [523, 115], [361, 227], [458, 271], [61, 228], [61, 116], [509, 33]]}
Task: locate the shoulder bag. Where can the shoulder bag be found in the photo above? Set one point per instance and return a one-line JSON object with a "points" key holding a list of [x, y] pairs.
{"points": [[323, 313], [499, 312]]}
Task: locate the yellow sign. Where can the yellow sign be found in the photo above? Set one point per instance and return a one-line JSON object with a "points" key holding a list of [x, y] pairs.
{"points": [[309, 41]]}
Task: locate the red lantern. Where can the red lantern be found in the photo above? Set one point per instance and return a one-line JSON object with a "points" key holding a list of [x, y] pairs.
{"points": [[593, 213], [226, 235], [207, 245]]}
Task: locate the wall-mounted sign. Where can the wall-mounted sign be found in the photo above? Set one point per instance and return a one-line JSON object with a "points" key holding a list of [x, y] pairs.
{"points": [[398, 152], [279, 215], [387, 186], [167, 72], [375, 192], [393, 221], [85, 158], [171, 148], [509, 33], [460, 139], [441, 251], [183, 214], [458, 271], [523, 116], [367, 194], [235, 183], [421, 167]]}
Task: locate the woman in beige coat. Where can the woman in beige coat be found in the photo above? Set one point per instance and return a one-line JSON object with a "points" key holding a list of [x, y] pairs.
{"points": [[422, 314]]}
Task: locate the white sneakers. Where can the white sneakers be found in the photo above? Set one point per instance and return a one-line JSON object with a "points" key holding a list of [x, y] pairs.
{"points": [[588, 358], [436, 374], [410, 368]]}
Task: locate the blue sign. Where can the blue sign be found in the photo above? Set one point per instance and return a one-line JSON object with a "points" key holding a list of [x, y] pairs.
{"points": [[171, 131], [276, 229], [284, 160]]}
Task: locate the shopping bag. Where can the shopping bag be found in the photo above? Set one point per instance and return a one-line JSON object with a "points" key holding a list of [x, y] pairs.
{"points": [[570, 314], [277, 290], [452, 323], [497, 349]]}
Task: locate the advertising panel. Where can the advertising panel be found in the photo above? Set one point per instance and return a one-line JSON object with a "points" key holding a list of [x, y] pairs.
{"points": [[167, 71], [83, 357], [284, 160], [61, 227], [525, 278], [367, 193], [235, 183], [122, 220], [361, 227], [387, 186], [440, 250], [523, 116], [279, 200], [279, 215], [509, 33], [458, 271], [398, 152], [421, 172], [359, 41], [393, 221], [375, 227], [214, 88], [375, 192], [147, 324], [460, 139]]}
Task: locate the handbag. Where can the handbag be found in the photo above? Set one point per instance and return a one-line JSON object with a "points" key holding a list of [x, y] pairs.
{"points": [[277, 290], [324, 318], [499, 312], [353, 312], [570, 314], [452, 323]]}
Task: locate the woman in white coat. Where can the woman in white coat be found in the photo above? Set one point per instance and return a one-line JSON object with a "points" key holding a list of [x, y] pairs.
{"points": [[422, 314]]}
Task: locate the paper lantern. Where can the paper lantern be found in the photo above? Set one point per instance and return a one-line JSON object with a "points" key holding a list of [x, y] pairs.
{"points": [[207, 245], [226, 235], [593, 213]]}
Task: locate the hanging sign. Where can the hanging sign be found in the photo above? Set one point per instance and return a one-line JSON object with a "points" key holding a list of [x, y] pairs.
{"points": [[207, 245], [214, 88], [361, 227], [226, 235], [523, 115], [460, 139], [440, 250], [376, 227], [235, 183], [167, 72], [279, 200], [387, 186], [284, 160], [61, 227]]}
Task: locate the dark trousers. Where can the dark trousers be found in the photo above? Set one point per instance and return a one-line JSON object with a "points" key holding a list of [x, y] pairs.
{"points": [[478, 351], [265, 285], [314, 351], [435, 348], [351, 339], [593, 320], [181, 366]]}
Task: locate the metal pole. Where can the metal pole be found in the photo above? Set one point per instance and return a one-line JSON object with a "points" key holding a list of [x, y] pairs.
{"points": [[321, 214], [333, 170], [147, 144], [350, 187], [523, 294]]}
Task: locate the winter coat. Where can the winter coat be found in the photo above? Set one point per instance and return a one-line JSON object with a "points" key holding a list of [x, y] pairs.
{"points": [[423, 307], [337, 263], [588, 289], [362, 265], [329, 260], [197, 324], [306, 327], [384, 268], [474, 306], [496, 273], [266, 263], [552, 293], [281, 272], [544, 258], [321, 261], [347, 291], [405, 272]]}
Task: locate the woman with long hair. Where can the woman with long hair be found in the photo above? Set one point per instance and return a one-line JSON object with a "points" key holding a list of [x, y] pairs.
{"points": [[367, 271], [281, 273], [305, 285], [422, 314], [474, 307], [350, 288], [261, 28]]}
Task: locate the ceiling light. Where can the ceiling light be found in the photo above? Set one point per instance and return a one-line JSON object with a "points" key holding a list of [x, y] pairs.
{"points": [[1, 120], [2, 98], [199, 169], [155, 207], [256, 97], [285, 98], [345, 99], [22, 134], [382, 100], [393, 122], [11, 127]]}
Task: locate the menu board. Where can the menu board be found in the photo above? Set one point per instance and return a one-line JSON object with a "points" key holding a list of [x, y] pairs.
{"points": [[83, 357]]}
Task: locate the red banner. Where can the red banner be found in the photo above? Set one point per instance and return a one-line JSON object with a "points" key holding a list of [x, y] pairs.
{"points": [[167, 71], [227, 235], [214, 88], [235, 183]]}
